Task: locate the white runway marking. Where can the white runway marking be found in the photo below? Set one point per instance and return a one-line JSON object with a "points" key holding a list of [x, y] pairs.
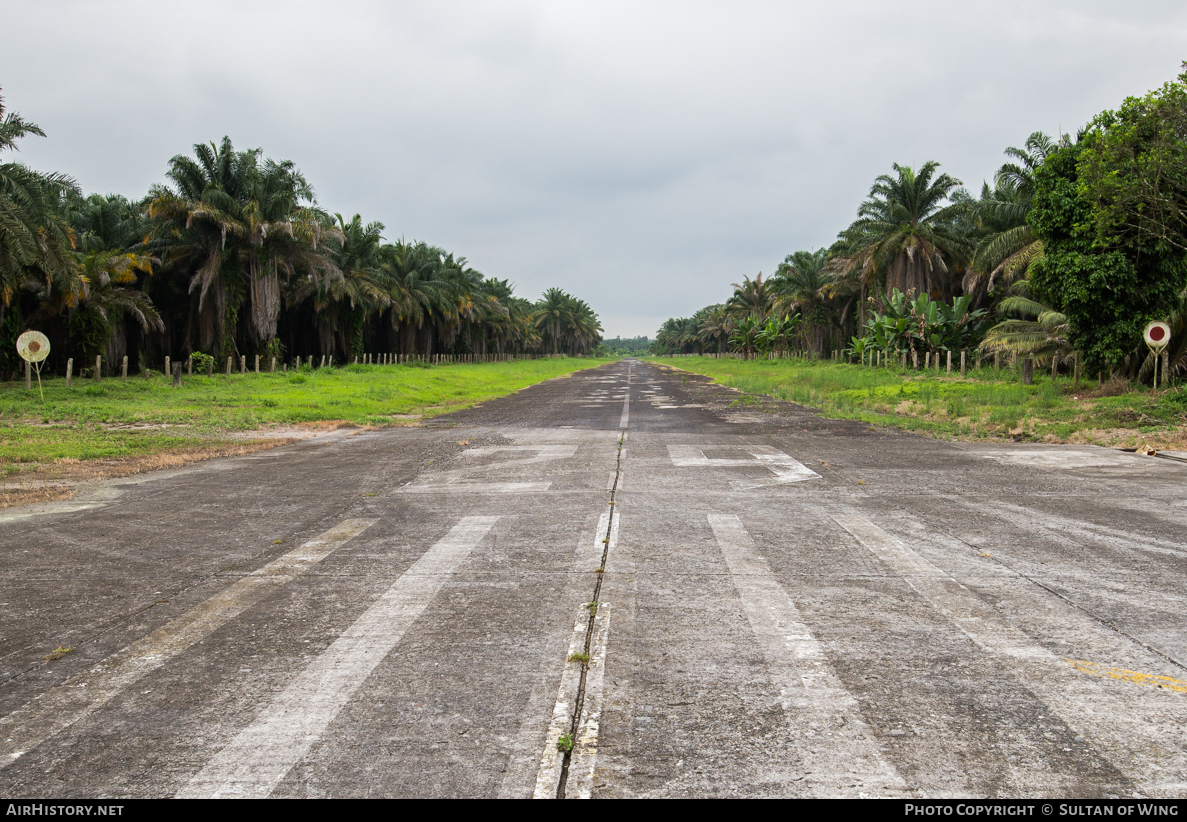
{"points": [[585, 748], [474, 478], [604, 522], [548, 775], [1127, 734], [811, 691], [625, 419], [65, 704], [785, 468], [968, 612], [260, 756]]}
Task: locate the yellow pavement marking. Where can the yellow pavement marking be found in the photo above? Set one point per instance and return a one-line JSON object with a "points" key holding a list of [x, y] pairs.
{"points": [[1096, 669]]}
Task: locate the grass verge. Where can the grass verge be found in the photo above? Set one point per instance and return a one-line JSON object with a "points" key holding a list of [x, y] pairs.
{"points": [[114, 428], [982, 406]]}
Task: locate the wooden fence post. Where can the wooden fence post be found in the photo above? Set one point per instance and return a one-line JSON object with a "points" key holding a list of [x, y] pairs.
{"points": [[189, 365], [177, 375], [166, 371], [210, 367], [257, 363], [1165, 367], [962, 358], [242, 363], [98, 367], [948, 371], [1028, 371], [69, 370], [272, 369], [997, 362], [229, 366], [28, 376], [124, 369], [1054, 366], [1076, 371]]}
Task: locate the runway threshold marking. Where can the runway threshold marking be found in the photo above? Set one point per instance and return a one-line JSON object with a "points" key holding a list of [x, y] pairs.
{"points": [[263, 753], [63, 705], [810, 690], [1153, 680]]}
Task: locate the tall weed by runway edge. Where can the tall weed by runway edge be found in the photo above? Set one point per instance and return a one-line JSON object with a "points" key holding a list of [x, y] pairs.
{"points": [[983, 406]]}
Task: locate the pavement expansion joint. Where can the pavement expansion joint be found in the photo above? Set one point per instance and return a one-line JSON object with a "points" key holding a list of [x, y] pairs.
{"points": [[579, 758]]}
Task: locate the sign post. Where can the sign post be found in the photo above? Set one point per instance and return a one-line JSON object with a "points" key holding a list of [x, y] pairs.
{"points": [[1157, 336], [33, 346]]}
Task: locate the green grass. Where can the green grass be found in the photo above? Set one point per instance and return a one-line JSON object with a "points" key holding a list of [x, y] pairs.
{"points": [[84, 422], [982, 406]]}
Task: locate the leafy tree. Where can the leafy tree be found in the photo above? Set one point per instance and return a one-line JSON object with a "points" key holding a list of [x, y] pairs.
{"points": [[1110, 213]]}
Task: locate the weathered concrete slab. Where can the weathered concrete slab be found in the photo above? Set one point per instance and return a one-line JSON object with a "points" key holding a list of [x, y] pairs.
{"points": [[788, 606]]}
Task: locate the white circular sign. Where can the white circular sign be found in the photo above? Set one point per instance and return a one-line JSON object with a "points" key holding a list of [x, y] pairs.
{"points": [[1157, 335], [33, 346]]}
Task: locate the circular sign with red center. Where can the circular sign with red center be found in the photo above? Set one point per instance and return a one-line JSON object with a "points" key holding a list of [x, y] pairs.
{"points": [[1157, 335], [33, 346]]}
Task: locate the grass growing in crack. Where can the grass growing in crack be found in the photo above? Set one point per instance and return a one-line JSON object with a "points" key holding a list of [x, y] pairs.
{"points": [[564, 743], [58, 653], [593, 608], [579, 657]]}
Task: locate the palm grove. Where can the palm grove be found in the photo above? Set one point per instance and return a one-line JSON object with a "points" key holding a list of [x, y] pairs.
{"points": [[1076, 245], [233, 257]]}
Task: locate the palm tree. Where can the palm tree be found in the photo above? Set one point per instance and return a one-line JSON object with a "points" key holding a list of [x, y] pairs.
{"points": [[800, 284], [1038, 331], [750, 298], [354, 289], [905, 237], [234, 225], [551, 311], [1009, 248], [35, 243], [714, 325]]}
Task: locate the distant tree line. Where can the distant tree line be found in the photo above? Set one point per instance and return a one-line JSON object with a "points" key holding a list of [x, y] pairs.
{"points": [[1074, 248], [619, 346], [233, 256]]}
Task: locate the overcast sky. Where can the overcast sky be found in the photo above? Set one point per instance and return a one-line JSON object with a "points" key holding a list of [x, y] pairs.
{"points": [[642, 156]]}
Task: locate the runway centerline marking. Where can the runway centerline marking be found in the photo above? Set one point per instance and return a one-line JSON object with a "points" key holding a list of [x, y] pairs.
{"points": [[585, 744], [65, 704], [548, 774], [810, 690], [263, 753]]}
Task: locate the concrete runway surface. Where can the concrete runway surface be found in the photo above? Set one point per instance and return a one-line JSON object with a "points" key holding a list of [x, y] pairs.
{"points": [[786, 606]]}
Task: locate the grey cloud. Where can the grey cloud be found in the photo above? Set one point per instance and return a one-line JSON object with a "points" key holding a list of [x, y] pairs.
{"points": [[641, 155]]}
